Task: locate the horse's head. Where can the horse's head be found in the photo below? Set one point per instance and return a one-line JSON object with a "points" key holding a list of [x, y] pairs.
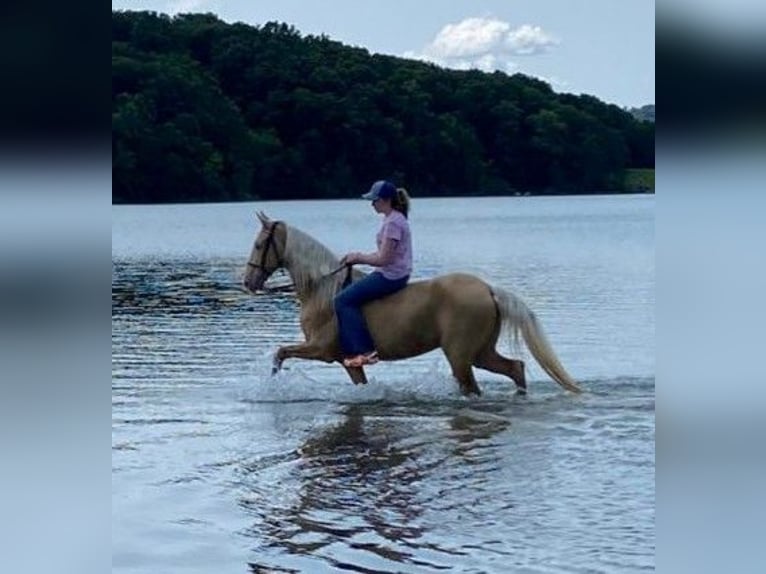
{"points": [[267, 254]]}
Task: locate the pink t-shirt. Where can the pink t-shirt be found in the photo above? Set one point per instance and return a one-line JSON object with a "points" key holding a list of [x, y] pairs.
{"points": [[395, 226]]}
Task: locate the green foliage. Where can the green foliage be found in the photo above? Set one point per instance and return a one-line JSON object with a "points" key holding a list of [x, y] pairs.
{"points": [[639, 180], [203, 110], [644, 113]]}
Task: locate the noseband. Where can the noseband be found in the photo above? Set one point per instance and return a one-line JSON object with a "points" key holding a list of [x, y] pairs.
{"points": [[265, 252]]}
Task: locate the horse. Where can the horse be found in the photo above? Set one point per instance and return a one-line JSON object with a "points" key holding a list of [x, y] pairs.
{"points": [[457, 312]]}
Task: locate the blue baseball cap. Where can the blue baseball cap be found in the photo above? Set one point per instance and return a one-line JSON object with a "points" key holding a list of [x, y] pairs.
{"points": [[381, 190]]}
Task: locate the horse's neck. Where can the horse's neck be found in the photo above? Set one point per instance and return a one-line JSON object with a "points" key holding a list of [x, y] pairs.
{"points": [[309, 264], [307, 291]]}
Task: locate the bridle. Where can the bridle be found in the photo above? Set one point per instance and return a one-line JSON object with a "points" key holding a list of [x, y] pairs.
{"points": [[265, 252]]}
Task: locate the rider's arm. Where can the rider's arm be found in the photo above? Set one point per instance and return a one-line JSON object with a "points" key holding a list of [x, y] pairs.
{"points": [[383, 256]]}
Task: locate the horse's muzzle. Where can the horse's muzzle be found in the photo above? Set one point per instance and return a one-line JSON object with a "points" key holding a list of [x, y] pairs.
{"points": [[254, 281]]}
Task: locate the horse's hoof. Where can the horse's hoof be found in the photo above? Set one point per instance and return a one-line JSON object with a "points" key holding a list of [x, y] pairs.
{"points": [[276, 365]]}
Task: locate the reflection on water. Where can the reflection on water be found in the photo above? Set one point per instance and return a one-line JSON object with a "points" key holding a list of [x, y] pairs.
{"points": [[361, 487], [355, 484], [219, 467]]}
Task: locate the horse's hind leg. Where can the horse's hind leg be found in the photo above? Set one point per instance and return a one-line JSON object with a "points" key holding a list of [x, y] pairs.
{"points": [[491, 360], [464, 376], [461, 344], [462, 371]]}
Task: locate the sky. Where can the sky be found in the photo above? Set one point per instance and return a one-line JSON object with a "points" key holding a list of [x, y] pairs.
{"points": [[604, 48]]}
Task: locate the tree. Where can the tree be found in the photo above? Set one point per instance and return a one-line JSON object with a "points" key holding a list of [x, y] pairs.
{"points": [[203, 110]]}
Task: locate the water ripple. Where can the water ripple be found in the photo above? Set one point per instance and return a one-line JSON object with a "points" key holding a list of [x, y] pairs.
{"points": [[219, 466]]}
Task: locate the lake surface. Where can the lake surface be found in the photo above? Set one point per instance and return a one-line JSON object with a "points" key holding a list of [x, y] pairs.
{"points": [[219, 467]]}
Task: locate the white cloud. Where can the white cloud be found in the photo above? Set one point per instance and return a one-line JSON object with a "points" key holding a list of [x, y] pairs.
{"points": [[527, 40], [471, 37], [186, 6], [484, 43], [556, 83]]}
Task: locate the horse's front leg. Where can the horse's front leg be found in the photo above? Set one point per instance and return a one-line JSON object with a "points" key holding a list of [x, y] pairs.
{"points": [[307, 350], [358, 377]]}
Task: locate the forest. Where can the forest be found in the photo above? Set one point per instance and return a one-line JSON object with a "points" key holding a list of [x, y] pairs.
{"points": [[204, 110]]}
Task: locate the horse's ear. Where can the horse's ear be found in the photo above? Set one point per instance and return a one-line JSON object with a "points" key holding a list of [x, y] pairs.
{"points": [[264, 219]]}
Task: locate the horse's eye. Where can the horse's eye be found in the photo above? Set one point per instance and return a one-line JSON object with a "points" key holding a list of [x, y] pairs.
{"points": [[258, 244]]}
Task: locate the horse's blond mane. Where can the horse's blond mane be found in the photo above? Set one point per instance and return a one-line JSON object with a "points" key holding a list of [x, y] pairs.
{"points": [[310, 264]]}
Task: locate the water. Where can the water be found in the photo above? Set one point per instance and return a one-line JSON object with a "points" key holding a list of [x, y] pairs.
{"points": [[218, 467]]}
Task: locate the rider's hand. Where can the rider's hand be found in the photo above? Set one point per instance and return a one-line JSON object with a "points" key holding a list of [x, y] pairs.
{"points": [[350, 258]]}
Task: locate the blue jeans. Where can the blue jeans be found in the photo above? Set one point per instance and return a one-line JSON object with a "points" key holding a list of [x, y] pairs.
{"points": [[355, 337]]}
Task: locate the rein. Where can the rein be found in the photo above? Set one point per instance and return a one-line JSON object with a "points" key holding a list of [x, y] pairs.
{"points": [[291, 286]]}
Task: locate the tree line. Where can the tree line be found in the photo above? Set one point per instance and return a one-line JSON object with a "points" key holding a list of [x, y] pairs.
{"points": [[203, 110]]}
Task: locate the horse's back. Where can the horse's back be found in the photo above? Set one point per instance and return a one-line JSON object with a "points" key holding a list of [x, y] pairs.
{"points": [[465, 301], [460, 283], [439, 290]]}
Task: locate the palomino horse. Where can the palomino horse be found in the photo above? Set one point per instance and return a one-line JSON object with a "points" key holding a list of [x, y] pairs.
{"points": [[458, 312]]}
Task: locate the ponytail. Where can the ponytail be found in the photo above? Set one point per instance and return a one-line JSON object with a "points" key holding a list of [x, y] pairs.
{"points": [[401, 202]]}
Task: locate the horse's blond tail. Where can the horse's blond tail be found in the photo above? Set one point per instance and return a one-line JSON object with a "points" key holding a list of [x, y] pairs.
{"points": [[521, 319]]}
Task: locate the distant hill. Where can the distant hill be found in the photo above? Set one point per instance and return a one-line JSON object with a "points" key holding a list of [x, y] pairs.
{"points": [[203, 110], [645, 113]]}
